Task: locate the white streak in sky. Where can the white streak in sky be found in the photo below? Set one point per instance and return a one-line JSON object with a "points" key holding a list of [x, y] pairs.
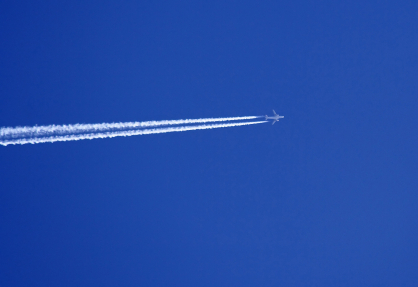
{"points": [[56, 130], [125, 133]]}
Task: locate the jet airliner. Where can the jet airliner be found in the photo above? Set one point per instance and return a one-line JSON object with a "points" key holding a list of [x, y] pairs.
{"points": [[275, 118]]}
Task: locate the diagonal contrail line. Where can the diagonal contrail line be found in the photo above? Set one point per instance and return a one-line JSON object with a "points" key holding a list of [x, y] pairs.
{"points": [[111, 134], [55, 130]]}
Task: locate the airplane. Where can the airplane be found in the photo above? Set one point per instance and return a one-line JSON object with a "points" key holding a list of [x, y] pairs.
{"points": [[276, 117]]}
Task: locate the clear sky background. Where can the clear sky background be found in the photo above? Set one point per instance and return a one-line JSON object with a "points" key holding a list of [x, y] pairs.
{"points": [[328, 196]]}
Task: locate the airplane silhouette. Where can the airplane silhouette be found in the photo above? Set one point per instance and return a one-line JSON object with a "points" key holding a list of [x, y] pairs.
{"points": [[275, 118]]}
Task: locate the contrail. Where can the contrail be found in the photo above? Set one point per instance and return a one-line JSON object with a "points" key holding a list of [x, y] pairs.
{"points": [[125, 133], [56, 130]]}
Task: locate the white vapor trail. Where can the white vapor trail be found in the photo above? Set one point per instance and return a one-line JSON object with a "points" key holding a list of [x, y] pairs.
{"points": [[125, 133], [56, 130]]}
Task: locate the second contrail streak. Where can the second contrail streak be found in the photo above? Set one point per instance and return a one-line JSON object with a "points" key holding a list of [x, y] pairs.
{"points": [[118, 133]]}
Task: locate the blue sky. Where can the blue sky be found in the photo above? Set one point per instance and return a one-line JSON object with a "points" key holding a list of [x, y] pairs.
{"points": [[326, 197]]}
